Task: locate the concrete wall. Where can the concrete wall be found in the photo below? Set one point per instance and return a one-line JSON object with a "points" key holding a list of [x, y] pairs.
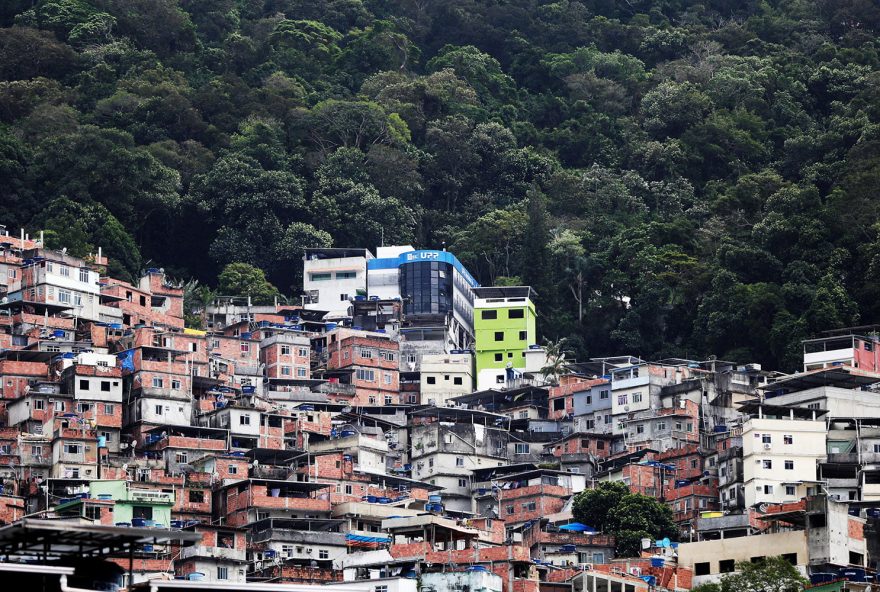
{"points": [[691, 555]]}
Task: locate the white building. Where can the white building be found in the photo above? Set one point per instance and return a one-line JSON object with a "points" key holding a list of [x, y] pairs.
{"points": [[383, 280], [781, 449], [333, 276], [444, 376]]}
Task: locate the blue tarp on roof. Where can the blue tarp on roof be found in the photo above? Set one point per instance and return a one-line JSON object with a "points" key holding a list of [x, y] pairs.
{"points": [[357, 538], [578, 527]]}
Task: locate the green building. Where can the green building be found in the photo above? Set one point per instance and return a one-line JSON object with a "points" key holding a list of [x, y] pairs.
{"points": [[504, 328], [126, 503]]}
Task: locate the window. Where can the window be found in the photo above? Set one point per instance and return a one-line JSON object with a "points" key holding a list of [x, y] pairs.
{"points": [[105, 386], [432, 380], [93, 512], [768, 464], [462, 482], [459, 461], [181, 457], [559, 404], [285, 370], [343, 297], [83, 385], [767, 439], [158, 409], [320, 277], [40, 404], [523, 335], [637, 397], [175, 384], [36, 451], [768, 490], [349, 490], [108, 436], [244, 420], [222, 573], [877, 448], [366, 353], [285, 350], [382, 588], [64, 270], [726, 565], [701, 569], [388, 378], [516, 313], [72, 449], [788, 439], [489, 315], [661, 426], [365, 375], [84, 407], [232, 470], [389, 400], [789, 490], [521, 448], [622, 399], [65, 297], [499, 357], [303, 352], [640, 429], [510, 510], [346, 275], [158, 382], [499, 335], [245, 347], [371, 400], [456, 380], [301, 372], [530, 506], [387, 356], [604, 394]]}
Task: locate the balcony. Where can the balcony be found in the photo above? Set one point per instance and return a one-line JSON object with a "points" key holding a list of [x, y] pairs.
{"points": [[843, 457]]}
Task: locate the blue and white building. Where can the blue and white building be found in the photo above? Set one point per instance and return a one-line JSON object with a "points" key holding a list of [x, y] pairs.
{"points": [[437, 295]]}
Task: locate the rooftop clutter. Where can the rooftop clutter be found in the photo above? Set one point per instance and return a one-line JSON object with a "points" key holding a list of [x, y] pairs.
{"points": [[402, 423]]}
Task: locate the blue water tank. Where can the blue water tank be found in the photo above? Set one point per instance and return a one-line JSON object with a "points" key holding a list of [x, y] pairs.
{"points": [[195, 576]]}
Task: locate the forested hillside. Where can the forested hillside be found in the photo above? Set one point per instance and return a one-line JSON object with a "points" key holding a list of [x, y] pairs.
{"points": [[675, 178]]}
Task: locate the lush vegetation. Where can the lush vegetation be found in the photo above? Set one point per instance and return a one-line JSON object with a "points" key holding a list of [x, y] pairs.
{"points": [[675, 178], [630, 517]]}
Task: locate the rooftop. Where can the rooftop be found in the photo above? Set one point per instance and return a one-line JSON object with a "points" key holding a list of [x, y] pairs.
{"points": [[505, 292]]}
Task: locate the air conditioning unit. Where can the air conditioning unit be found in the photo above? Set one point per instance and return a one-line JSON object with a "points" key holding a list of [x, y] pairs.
{"points": [[767, 445]]}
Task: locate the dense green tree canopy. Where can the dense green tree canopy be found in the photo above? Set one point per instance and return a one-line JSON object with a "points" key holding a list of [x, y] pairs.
{"points": [[675, 178], [629, 517]]}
